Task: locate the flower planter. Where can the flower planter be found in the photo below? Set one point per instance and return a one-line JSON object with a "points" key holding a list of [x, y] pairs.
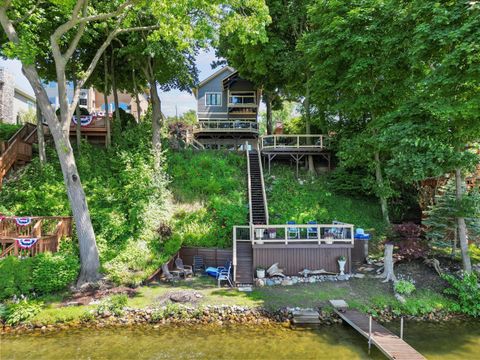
{"points": [[341, 264], [272, 234], [260, 273]]}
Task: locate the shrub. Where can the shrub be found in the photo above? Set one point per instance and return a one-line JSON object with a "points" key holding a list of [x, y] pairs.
{"points": [[404, 287], [22, 311], [16, 277], [466, 291], [54, 272], [7, 130], [408, 238], [113, 304]]}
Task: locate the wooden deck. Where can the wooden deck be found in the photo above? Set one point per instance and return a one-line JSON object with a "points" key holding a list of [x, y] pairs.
{"points": [[46, 231], [387, 342]]}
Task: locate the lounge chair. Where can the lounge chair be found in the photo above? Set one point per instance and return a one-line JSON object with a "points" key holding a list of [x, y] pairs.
{"points": [[224, 275], [215, 271], [293, 232], [338, 233], [198, 265], [184, 270], [312, 232]]}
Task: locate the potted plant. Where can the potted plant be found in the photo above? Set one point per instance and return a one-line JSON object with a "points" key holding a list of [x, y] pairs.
{"points": [[341, 263], [272, 233], [259, 235], [260, 272], [329, 239]]}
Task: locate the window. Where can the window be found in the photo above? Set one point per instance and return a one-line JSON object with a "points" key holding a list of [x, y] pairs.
{"points": [[245, 97], [82, 102], [213, 99], [52, 100]]}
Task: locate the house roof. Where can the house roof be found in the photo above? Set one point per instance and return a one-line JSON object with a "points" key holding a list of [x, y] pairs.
{"points": [[25, 95], [213, 76]]}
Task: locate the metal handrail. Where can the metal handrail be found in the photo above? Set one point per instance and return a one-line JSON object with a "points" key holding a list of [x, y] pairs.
{"points": [[247, 150], [265, 203]]}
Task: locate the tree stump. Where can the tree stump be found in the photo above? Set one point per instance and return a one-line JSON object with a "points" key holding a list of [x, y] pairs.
{"points": [[388, 273]]}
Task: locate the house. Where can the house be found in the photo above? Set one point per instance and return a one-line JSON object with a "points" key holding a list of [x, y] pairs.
{"points": [[15, 103], [227, 109]]}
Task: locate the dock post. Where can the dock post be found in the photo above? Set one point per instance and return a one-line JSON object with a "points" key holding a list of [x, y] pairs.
{"points": [[369, 333], [401, 328]]}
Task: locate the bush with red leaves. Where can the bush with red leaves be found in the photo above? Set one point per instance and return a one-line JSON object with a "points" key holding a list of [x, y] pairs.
{"points": [[409, 241]]}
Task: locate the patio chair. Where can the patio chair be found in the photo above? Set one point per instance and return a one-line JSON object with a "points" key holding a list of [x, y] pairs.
{"points": [[224, 275], [338, 233], [215, 271], [184, 270], [312, 232], [293, 232], [198, 265]]}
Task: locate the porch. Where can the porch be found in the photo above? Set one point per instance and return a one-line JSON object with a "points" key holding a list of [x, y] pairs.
{"points": [[29, 236], [226, 126], [294, 247]]}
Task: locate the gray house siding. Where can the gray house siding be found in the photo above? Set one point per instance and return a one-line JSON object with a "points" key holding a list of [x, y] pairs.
{"points": [[215, 85]]}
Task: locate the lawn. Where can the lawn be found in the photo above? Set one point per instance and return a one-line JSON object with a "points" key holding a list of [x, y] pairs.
{"points": [[366, 294]]}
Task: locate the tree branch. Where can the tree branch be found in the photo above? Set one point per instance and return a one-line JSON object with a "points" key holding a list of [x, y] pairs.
{"points": [[28, 13], [97, 56], [73, 45]]}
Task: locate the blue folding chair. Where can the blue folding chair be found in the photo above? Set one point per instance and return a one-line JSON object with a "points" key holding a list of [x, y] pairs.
{"points": [[312, 232], [293, 232]]}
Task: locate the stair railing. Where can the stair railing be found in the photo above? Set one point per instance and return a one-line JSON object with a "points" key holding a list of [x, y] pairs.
{"points": [[265, 203], [249, 180]]}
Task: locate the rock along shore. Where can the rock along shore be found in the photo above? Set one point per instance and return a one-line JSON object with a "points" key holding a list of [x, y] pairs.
{"points": [[209, 315]]}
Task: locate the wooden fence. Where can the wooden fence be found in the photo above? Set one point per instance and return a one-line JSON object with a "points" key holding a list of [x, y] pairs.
{"points": [[211, 256]]}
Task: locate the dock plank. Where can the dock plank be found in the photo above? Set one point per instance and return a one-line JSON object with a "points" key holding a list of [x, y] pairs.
{"points": [[387, 342]]}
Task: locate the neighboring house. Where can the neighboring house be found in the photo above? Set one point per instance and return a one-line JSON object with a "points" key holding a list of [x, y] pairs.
{"points": [[14, 102], [227, 107], [93, 100]]}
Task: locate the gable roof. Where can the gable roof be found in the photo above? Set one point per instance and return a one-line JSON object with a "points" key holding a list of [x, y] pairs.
{"points": [[213, 76]]}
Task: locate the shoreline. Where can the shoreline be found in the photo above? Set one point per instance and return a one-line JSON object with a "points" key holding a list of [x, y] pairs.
{"points": [[220, 315]]}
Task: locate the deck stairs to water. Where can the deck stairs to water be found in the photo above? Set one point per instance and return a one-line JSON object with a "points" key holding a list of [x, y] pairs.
{"points": [[17, 151], [259, 212], [392, 346]]}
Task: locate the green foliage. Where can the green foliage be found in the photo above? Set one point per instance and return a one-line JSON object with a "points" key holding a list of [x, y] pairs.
{"points": [[441, 221], [404, 287], [54, 272], [16, 277], [113, 304], [127, 198], [7, 130], [21, 311], [210, 190], [43, 274], [315, 199], [465, 290]]}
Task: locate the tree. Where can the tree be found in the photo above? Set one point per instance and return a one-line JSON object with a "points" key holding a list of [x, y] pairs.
{"points": [[444, 48], [358, 74], [64, 24]]}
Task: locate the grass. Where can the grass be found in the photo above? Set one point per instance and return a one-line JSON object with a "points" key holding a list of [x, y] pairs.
{"points": [[364, 294], [209, 189], [7, 131], [308, 198]]}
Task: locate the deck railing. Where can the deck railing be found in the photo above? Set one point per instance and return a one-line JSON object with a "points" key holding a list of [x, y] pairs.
{"points": [[294, 141], [226, 126], [320, 234], [46, 230]]}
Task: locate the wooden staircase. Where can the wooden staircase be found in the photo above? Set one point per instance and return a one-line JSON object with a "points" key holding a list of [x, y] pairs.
{"points": [[17, 150], [257, 197]]}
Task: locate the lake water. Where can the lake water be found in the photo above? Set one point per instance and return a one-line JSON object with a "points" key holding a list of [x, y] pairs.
{"points": [[435, 341]]}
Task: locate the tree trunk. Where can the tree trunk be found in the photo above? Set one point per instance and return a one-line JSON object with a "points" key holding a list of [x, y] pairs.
{"points": [[78, 127], [461, 226], [157, 117], [137, 99], [114, 90], [380, 185], [388, 273], [269, 124], [90, 264], [41, 138], [108, 140]]}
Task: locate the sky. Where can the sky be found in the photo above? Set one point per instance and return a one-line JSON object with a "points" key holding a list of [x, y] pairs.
{"points": [[181, 100]]}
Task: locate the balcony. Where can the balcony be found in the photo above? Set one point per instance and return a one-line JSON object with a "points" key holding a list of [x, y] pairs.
{"points": [[237, 126]]}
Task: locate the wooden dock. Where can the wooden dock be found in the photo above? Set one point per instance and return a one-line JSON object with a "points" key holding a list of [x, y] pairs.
{"points": [[392, 346]]}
